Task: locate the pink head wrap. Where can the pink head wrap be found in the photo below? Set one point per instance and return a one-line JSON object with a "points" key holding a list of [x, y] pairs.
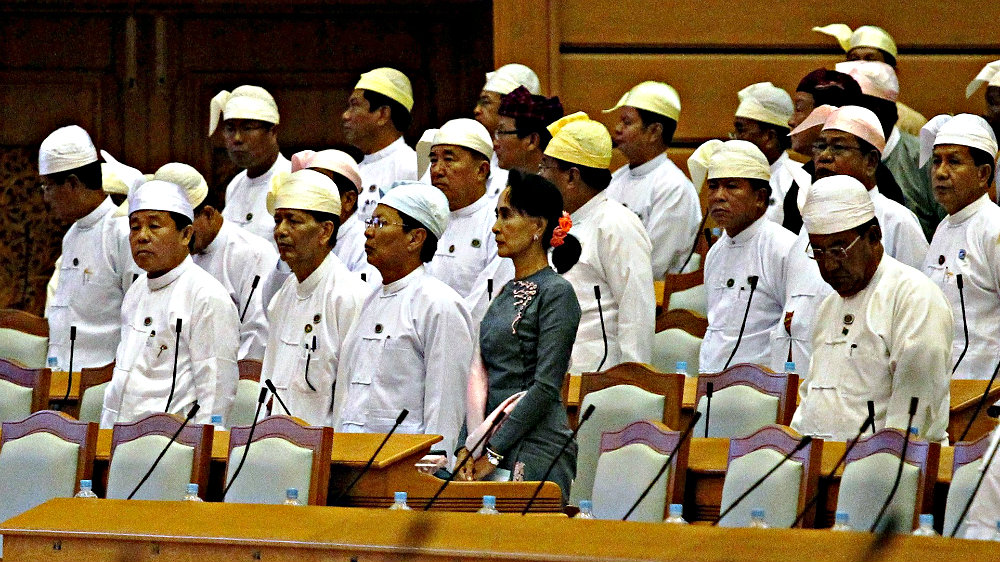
{"points": [[860, 122], [334, 160]]}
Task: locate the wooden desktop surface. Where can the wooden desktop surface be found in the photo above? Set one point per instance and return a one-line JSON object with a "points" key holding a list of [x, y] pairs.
{"points": [[98, 530]]}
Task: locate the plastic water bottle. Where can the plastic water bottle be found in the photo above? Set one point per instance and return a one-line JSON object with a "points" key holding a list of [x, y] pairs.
{"points": [[676, 514], [682, 368], [914, 432], [53, 363], [400, 502], [586, 510], [790, 367], [292, 496], [926, 528], [192, 493], [86, 490], [489, 506], [217, 422], [757, 518], [842, 522]]}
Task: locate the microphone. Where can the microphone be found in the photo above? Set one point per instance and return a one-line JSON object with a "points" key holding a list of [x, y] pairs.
{"points": [[753, 287], [173, 378], [274, 391], [496, 422], [965, 323], [253, 287], [694, 247], [552, 465], [666, 464], [246, 448], [709, 388], [979, 482], [308, 358], [364, 277], [399, 420], [194, 410], [902, 460], [982, 402], [870, 420], [604, 332], [871, 414], [489, 289], [69, 375], [805, 441]]}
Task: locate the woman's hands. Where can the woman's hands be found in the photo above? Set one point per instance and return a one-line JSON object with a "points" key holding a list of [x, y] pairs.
{"points": [[474, 469]]}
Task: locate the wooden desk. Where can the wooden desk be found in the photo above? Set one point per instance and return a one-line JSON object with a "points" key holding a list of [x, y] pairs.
{"points": [[573, 393], [57, 385], [99, 530], [965, 395]]}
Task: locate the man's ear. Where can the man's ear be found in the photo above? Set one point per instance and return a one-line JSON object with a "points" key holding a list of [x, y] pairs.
{"points": [[417, 238]]}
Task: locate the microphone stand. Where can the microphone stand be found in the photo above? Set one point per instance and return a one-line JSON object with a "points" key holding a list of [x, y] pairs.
{"points": [[709, 388], [69, 375], [604, 332], [541, 481], [965, 323], [399, 420], [274, 391], [173, 378], [975, 491], [805, 441], [666, 464], [253, 287], [871, 414], [982, 402], [753, 287], [246, 448], [694, 247], [194, 409]]}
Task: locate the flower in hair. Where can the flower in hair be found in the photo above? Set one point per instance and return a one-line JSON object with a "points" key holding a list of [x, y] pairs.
{"points": [[559, 233]]}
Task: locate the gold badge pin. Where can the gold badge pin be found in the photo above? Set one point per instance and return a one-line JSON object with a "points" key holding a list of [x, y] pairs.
{"points": [[451, 249], [249, 216], [849, 319], [316, 319], [378, 328], [309, 328], [476, 243], [147, 321]]}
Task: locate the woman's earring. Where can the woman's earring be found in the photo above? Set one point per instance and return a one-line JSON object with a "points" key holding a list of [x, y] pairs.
{"points": [[535, 237]]}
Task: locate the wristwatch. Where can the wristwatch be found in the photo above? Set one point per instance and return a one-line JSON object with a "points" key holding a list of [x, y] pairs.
{"points": [[492, 457]]}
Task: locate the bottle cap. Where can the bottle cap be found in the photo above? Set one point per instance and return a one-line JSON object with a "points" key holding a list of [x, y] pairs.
{"points": [[86, 484], [489, 501], [676, 509], [292, 493], [843, 517], [192, 489], [587, 505], [682, 366], [927, 519], [400, 496], [216, 419], [914, 431], [789, 366], [757, 513]]}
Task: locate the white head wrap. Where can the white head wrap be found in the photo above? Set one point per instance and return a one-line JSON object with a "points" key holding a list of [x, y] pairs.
{"points": [[864, 36], [423, 150], [245, 102], [658, 97], [334, 160], [990, 75], [836, 203], [731, 159], [765, 102], [859, 121], [424, 203], [158, 195], [66, 148], [875, 78], [467, 133], [579, 140], [508, 77], [117, 178], [964, 129], [188, 178], [304, 190], [390, 83]]}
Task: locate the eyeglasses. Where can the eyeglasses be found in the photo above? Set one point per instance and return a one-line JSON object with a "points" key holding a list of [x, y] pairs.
{"points": [[836, 150], [377, 223], [498, 133], [835, 253], [543, 167]]}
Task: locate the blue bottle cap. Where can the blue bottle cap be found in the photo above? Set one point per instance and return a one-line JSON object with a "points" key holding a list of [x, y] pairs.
{"points": [[587, 505], [86, 484], [489, 501], [676, 509], [292, 493], [789, 366], [927, 519], [192, 489], [682, 366], [400, 496], [843, 517], [757, 513], [216, 419]]}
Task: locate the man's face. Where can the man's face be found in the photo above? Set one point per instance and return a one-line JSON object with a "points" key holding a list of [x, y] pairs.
{"points": [[302, 240], [386, 244], [846, 261], [509, 148], [458, 174], [750, 130], [250, 143], [804, 105], [993, 106], [630, 133], [734, 204], [202, 231], [486, 110], [157, 245], [359, 121], [956, 179], [866, 53], [841, 155], [549, 170], [61, 197]]}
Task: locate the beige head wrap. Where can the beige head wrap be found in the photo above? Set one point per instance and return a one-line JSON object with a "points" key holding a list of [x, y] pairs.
{"points": [[579, 140], [188, 178], [864, 36], [963, 129], [836, 203], [467, 133], [390, 83], [245, 102], [117, 178], [658, 97], [767, 103], [66, 148], [423, 150], [305, 190], [990, 75], [508, 77], [731, 159]]}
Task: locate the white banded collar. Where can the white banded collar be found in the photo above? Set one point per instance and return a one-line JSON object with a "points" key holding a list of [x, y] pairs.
{"points": [[398, 285], [968, 211], [92, 218], [170, 276], [647, 167], [749, 233], [386, 152], [305, 289]]}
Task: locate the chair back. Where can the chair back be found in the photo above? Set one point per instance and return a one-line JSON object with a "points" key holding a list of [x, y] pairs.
{"points": [[285, 453], [93, 382], [746, 397], [630, 459], [135, 446], [247, 391], [621, 395], [965, 470], [683, 319], [694, 299], [870, 471], [785, 493], [43, 456], [22, 391], [673, 345], [24, 338]]}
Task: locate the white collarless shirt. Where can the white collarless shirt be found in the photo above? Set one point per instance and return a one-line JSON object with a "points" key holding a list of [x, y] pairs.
{"points": [[667, 205], [889, 342], [466, 247], [782, 176], [246, 201], [206, 355], [350, 247], [411, 348], [968, 244], [380, 169], [615, 256], [902, 236], [234, 258]]}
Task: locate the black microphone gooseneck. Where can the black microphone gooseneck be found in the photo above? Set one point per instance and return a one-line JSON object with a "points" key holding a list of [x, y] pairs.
{"points": [[982, 402], [871, 414], [965, 323], [253, 287], [309, 358], [486, 434], [274, 391], [805, 441], [694, 247], [902, 461], [753, 287], [870, 420], [69, 375], [666, 464], [604, 332], [489, 289], [979, 482], [246, 448], [709, 389], [399, 420], [173, 377], [194, 410], [552, 465]]}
